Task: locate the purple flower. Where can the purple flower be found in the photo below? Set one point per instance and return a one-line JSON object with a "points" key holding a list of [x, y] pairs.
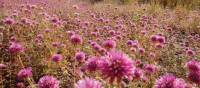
{"points": [[20, 85], [57, 57], [150, 68], [80, 56], [130, 42], [180, 83], [194, 77], [92, 64], [56, 44], [109, 44], [96, 47], [76, 39], [24, 73], [194, 71], [117, 66], [165, 81], [48, 82], [138, 73], [154, 38], [15, 48], [161, 39], [170, 81], [158, 39], [190, 52], [193, 65], [9, 21], [88, 83], [2, 66], [70, 33], [141, 50]]}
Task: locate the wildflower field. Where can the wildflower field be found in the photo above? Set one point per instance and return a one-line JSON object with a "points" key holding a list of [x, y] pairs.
{"points": [[99, 44]]}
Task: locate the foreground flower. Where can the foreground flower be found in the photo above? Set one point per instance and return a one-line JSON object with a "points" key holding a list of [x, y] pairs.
{"points": [[117, 66], [24, 73], [88, 83], [48, 82], [194, 77], [15, 48], [180, 83], [194, 71], [170, 81]]}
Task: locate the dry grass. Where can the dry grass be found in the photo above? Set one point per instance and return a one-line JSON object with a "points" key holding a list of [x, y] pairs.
{"points": [[175, 24]]}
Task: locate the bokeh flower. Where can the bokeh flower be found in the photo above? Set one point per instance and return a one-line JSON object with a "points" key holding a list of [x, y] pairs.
{"points": [[88, 83], [170, 81]]}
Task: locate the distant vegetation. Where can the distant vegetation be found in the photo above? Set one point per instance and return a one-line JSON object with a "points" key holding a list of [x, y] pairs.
{"points": [[163, 3]]}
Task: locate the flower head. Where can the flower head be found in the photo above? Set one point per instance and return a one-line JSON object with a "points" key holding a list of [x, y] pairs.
{"points": [[165, 81], [15, 48], [193, 65], [2, 66], [9, 21], [92, 64], [80, 56], [138, 73], [20, 85], [76, 39], [194, 77], [24, 73], [180, 83], [109, 44], [48, 82], [57, 57], [117, 66], [150, 68], [130, 42], [190, 52], [170, 81], [88, 83]]}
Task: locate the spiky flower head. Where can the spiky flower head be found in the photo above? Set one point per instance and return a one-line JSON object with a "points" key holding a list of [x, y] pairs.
{"points": [[117, 66], [76, 39], [15, 48], [24, 73], [88, 83], [170, 81], [48, 82]]}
